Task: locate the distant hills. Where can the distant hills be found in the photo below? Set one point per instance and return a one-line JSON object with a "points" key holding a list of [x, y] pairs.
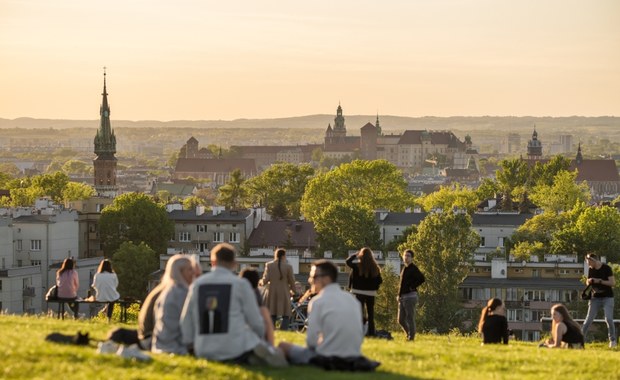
{"points": [[353, 123]]}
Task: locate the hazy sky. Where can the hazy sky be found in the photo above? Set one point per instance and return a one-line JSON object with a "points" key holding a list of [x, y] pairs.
{"points": [[189, 60]]}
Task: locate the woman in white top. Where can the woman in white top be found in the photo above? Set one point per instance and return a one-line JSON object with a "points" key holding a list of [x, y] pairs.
{"points": [[105, 283]]}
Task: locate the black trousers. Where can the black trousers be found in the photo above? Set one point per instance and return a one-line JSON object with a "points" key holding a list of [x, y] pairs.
{"points": [[369, 303]]}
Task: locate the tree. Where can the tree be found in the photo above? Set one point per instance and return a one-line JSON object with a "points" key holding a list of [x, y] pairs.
{"points": [[52, 184], [487, 189], [444, 247], [9, 169], [133, 264], [544, 174], [233, 194], [280, 189], [135, 217], [369, 184], [77, 167], [341, 228], [513, 174], [74, 191], [449, 197], [190, 203], [4, 179], [386, 308], [562, 194]]}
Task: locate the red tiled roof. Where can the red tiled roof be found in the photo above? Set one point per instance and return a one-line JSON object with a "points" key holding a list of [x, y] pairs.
{"points": [[590, 170]]}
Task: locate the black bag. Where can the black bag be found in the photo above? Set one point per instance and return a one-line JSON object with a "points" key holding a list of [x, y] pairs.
{"points": [[52, 294], [586, 294]]}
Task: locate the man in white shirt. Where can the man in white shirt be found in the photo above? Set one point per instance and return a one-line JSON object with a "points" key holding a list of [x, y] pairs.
{"points": [[334, 320], [221, 319]]}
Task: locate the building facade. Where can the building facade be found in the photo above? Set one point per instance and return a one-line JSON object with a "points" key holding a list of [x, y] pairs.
{"points": [[105, 149]]}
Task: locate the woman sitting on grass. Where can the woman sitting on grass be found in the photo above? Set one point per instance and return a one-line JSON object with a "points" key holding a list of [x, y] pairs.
{"points": [[565, 332], [493, 325], [167, 335]]}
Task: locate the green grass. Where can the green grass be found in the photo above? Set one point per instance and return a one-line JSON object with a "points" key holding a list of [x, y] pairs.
{"points": [[24, 354]]}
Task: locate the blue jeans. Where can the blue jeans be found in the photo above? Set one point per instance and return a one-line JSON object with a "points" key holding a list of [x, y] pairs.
{"points": [[406, 315], [594, 305]]}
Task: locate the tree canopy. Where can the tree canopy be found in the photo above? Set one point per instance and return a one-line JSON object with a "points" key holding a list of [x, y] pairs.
{"points": [[233, 194], [449, 197], [133, 265], [137, 218]]}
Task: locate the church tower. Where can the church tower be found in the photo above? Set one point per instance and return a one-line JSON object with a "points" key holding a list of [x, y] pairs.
{"points": [[340, 130], [534, 147], [105, 148]]}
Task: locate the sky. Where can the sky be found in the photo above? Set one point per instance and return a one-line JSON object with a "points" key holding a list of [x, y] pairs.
{"points": [[210, 60]]}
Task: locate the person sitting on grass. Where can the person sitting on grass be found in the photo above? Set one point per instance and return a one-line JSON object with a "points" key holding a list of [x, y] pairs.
{"points": [[493, 325], [167, 331], [252, 276], [565, 333], [335, 331]]}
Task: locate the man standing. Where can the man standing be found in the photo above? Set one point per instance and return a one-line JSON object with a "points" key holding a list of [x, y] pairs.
{"points": [[334, 320], [601, 278], [221, 319], [410, 279]]}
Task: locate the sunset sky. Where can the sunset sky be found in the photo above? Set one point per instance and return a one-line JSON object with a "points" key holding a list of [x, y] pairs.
{"points": [[201, 59]]}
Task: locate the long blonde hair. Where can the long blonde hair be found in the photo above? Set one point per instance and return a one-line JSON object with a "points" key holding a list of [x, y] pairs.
{"points": [[173, 274]]}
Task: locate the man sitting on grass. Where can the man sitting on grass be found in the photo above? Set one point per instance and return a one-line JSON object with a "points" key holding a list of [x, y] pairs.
{"points": [[335, 331]]}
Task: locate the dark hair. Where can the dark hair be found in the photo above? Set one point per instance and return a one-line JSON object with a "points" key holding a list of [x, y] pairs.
{"points": [[67, 264], [592, 256], [105, 266], [493, 304], [223, 252], [280, 253], [327, 268], [368, 266], [251, 275], [566, 318], [408, 251]]}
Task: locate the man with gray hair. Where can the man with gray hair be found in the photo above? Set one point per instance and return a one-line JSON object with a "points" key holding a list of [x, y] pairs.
{"points": [[221, 319]]}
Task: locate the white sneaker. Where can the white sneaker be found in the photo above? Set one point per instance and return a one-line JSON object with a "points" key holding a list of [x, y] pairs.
{"points": [[107, 347], [132, 352], [613, 344], [270, 355]]}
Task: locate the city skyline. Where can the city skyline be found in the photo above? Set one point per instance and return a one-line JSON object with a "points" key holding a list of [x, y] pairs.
{"points": [[195, 60]]}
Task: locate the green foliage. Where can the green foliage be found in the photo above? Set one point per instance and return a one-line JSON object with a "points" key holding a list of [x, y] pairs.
{"points": [[370, 184], [280, 189], [341, 228], [522, 251], [74, 191], [562, 194], [132, 314], [77, 167], [514, 173], [451, 197], [133, 264], [233, 194], [190, 203], [9, 170], [386, 306], [487, 189], [135, 217], [394, 244], [544, 174], [443, 248]]}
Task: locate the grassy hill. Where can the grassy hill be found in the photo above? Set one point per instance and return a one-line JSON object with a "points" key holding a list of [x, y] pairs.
{"points": [[24, 354]]}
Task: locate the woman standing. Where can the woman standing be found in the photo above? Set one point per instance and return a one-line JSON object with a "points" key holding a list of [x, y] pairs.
{"points": [[68, 284], [279, 281], [178, 276], [565, 333], [364, 281], [105, 282], [493, 325]]}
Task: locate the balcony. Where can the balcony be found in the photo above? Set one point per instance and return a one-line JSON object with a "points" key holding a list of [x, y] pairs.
{"points": [[28, 292]]}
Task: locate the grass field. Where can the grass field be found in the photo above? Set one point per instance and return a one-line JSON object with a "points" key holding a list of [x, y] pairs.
{"points": [[24, 354]]}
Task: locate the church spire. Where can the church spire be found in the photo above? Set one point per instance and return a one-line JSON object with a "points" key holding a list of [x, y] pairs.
{"points": [[379, 133], [579, 158], [105, 141]]}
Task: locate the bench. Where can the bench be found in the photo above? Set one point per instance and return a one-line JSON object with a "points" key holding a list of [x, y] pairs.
{"points": [[124, 304]]}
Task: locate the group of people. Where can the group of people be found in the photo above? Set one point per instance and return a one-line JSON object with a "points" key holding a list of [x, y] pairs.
{"points": [[565, 332], [104, 283]]}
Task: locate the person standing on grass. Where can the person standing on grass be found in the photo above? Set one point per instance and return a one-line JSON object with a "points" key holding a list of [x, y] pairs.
{"points": [[105, 282], [565, 333], [601, 278], [68, 284], [493, 325], [410, 279], [279, 283], [364, 281]]}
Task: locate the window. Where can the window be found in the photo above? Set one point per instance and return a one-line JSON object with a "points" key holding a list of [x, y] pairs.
{"points": [[234, 237], [482, 242], [201, 247], [19, 245], [0, 288], [511, 294], [36, 263], [185, 236], [35, 245], [201, 228], [500, 241], [218, 237]]}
